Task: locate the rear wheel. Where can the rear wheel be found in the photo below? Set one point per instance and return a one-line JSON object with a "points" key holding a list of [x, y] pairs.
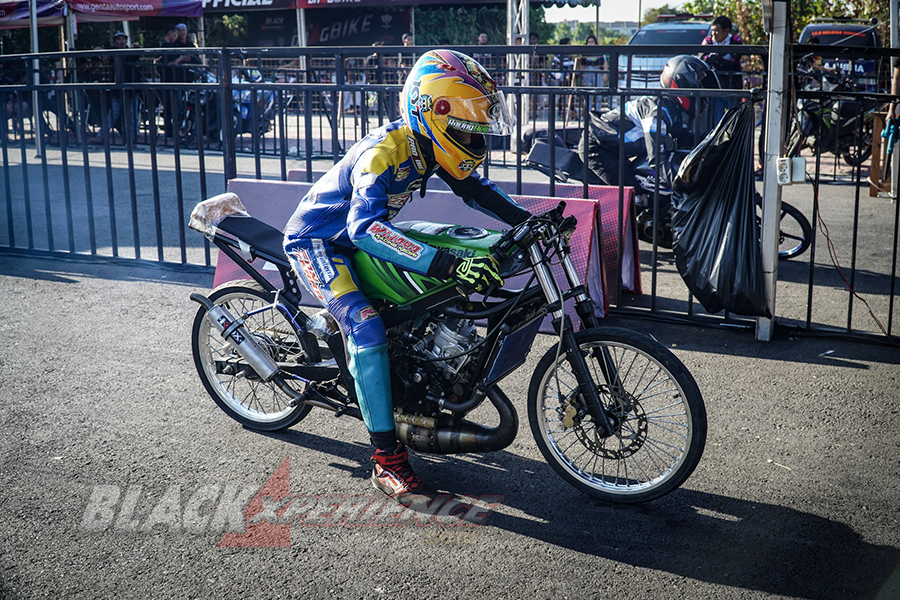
{"points": [[794, 230], [857, 155], [657, 410], [231, 382]]}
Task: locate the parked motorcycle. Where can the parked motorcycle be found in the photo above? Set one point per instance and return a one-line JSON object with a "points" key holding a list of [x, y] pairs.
{"points": [[794, 229], [831, 125], [615, 413], [795, 234], [204, 104]]}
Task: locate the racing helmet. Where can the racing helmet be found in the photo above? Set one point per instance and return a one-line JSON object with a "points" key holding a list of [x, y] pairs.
{"points": [[685, 71], [450, 99]]}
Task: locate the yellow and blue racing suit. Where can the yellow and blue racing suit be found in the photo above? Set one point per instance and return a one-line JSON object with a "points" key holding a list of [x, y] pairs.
{"points": [[350, 208]]}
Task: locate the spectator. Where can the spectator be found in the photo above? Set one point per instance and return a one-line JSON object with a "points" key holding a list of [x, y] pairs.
{"points": [[487, 60], [123, 103], [171, 72], [727, 64], [407, 61], [561, 65], [95, 71], [561, 70], [5, 97], [592, 65], [537, 76], [15, 103], [184, 42]]}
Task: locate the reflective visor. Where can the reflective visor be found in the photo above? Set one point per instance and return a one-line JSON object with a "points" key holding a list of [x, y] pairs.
{"points": [[485, 115]]}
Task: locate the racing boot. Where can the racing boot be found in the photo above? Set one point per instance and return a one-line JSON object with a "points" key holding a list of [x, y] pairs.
{"points": [[393, 475]]}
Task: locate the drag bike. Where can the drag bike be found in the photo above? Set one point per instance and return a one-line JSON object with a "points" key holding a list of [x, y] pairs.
{"points": [[614, 412], [826, 125]]}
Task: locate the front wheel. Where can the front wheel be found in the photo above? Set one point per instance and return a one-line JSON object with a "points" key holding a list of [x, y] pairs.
{"points": [[659, 421], [233, 384]]}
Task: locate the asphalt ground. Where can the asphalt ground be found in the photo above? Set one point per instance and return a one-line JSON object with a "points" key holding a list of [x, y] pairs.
{"points": [[119, 477]]}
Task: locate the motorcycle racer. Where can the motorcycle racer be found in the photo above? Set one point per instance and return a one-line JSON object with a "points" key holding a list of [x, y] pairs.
{"points": [[448, 105]]}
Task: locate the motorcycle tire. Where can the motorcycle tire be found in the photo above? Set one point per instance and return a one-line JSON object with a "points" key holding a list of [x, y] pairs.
{"points": [[235, 387], [855, 156], [658, 413], [794, 230]]}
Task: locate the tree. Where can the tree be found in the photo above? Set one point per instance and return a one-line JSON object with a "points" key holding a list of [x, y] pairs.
{"points": [[746, 14], [225, 30], [651, 15], [460, 25]]}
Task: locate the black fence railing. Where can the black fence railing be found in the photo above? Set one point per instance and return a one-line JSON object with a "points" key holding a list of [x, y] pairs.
{"points": [[106, 156]]}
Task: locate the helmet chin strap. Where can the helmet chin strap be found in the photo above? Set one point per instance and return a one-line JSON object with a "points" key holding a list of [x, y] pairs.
{"points": [[426, 147]]}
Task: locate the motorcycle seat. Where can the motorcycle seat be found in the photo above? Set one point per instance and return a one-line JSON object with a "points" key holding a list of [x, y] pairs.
{"points": [[265, 241]]}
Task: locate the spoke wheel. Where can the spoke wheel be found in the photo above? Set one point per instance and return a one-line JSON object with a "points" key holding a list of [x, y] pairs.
{"points": [[233, 385], [657, 411]]}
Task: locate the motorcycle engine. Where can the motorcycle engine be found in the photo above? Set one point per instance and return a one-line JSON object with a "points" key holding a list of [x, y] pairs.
{"points": [[433, 366], [449, 339]]}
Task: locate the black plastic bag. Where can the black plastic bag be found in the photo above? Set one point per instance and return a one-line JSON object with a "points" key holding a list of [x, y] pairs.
{"points": [[717, 248]]}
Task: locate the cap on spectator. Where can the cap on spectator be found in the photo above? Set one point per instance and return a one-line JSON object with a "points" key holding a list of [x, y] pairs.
{"points": [[120, 34], [181, 26]]}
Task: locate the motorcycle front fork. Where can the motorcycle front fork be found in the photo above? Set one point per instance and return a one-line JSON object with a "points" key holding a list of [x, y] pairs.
{"points": [[563, 324]]}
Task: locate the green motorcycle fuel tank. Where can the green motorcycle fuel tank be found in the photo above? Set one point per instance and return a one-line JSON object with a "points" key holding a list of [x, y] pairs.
{"points": [[381, 280]]}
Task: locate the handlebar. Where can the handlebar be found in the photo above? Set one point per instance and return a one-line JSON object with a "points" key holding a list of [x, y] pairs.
{"points": [[527, 233], [536, 227]]}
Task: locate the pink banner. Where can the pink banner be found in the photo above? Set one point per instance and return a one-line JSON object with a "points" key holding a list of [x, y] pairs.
{"points": [[595, 246]]}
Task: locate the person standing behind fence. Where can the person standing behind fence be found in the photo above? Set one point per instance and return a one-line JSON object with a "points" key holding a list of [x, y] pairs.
{"points": [[593, 65], [407, 61], [726, 62], [561, 71], [488, 61], [119, 99], [184, 41], [171, 72]]}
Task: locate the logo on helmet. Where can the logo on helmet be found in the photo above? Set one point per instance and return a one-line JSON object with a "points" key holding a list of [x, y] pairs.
{"points": [[467, 165], [477, 72], [424, 103], [468, 126]]}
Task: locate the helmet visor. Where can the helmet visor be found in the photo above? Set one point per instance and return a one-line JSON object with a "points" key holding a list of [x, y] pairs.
{"points": [[485, 115]]}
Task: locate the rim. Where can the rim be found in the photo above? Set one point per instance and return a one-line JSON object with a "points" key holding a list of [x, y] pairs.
{"points": [[790, 235], [653, 424], [247, 396]]}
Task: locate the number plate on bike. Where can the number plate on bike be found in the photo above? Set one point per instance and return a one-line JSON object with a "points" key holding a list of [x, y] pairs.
{"points": [[512, 350]]}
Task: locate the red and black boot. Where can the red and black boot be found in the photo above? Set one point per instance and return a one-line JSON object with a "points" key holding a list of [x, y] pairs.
{"points": [[392, 473]]}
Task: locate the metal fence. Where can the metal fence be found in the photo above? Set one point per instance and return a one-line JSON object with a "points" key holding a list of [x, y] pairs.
{"points": [[106, 156]]}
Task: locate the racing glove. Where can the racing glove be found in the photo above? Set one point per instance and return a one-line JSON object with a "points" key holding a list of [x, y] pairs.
{"points": [[478, 273]]}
